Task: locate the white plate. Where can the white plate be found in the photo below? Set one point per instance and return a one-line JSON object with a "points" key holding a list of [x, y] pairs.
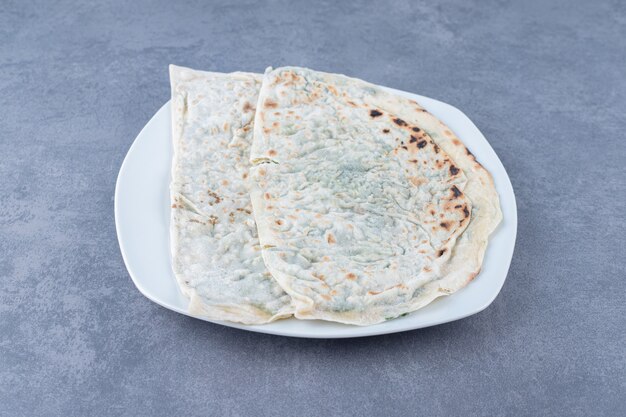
{"points": [[142, 209]]}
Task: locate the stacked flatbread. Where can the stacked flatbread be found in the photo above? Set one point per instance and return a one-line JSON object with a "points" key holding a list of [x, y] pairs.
{"points": [[216, 254], [318, 195]]}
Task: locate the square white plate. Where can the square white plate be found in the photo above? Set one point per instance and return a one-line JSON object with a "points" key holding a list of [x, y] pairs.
{"points": [[142, 208]]}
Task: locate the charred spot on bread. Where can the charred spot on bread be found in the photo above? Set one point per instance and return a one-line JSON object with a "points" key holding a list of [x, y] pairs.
{"points": [[400, 122]]}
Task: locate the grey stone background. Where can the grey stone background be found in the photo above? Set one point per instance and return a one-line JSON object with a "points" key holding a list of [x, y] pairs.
{"points": [[544, 80]]}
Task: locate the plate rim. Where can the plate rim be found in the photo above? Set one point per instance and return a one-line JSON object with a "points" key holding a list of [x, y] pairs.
{"points": [[351, 331]]}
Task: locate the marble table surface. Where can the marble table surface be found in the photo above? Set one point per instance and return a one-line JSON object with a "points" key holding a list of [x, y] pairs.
{"points": [[545, 81]]}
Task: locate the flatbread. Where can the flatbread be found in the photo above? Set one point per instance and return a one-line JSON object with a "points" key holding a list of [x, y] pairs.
{"points": [[367, 208], [215, 249]]}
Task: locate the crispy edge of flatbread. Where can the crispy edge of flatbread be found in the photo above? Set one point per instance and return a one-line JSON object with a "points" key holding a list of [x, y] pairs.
{"points": [[468, 254]]}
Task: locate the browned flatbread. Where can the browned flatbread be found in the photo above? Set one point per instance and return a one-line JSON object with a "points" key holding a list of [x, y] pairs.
{"points": [[367, 207]]}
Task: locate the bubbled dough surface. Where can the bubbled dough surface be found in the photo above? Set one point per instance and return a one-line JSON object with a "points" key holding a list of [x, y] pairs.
{"points": [[215, 249], [358, 207]]}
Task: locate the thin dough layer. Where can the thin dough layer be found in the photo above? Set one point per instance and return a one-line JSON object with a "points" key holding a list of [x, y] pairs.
{"points": [[367, 207], [215, 249]]}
